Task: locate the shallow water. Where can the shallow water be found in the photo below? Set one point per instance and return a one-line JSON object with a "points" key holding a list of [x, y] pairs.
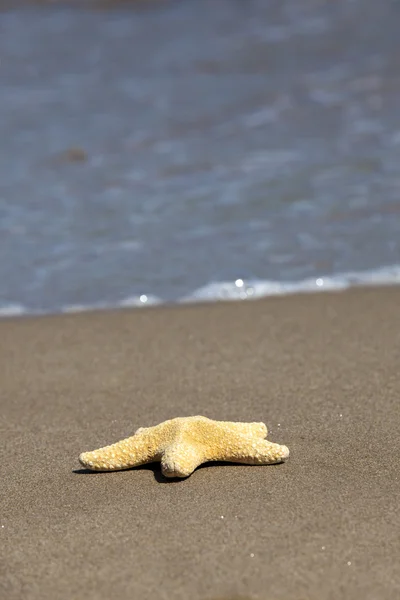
{"points": [[155, 150]]}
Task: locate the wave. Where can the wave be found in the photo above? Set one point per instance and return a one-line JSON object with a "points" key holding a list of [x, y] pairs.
{"points": [[236, 290]]}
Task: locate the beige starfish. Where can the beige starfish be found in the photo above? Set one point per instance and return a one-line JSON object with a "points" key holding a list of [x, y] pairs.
{"points": [[184, 443]]}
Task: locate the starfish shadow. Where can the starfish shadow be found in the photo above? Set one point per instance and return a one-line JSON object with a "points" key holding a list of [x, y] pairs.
{"points": [[159, 477]]}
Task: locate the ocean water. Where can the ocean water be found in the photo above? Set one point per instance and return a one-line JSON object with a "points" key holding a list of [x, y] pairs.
{"points": [[196, 149]]}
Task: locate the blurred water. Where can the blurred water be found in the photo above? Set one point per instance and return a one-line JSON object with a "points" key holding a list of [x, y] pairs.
{"points": [[155, 150]]}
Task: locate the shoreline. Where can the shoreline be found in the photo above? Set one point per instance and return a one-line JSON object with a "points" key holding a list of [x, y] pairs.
{"points": [[229, 291], [321, 370]]}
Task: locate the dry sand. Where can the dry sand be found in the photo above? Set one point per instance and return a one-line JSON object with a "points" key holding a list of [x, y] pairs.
{"points": [[321, 370]]}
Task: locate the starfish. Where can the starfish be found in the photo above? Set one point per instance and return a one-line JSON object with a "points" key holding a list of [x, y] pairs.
{"points": [[184, 443]]}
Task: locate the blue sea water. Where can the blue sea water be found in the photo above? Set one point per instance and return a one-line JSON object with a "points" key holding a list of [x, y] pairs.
{"points": [[196, 149]]}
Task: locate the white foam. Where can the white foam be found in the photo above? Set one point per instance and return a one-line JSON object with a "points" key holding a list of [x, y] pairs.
{"points": [[236, 290], [130, 301], [12, 310], [251, 289], [142, 300]]}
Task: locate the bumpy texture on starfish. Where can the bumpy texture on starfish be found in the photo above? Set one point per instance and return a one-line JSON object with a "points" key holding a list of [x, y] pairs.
{"points": [[184, 443]]}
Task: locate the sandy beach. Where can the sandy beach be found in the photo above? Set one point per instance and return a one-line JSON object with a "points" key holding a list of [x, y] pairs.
{"points": [[322, 371]]}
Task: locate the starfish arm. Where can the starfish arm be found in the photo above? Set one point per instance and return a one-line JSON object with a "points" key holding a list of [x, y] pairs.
{"points": [[181, 459], [258, 430], [249, 451], [134, 451]]}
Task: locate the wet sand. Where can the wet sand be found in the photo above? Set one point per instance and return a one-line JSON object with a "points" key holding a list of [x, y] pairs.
{"points": [[320, 370]]}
